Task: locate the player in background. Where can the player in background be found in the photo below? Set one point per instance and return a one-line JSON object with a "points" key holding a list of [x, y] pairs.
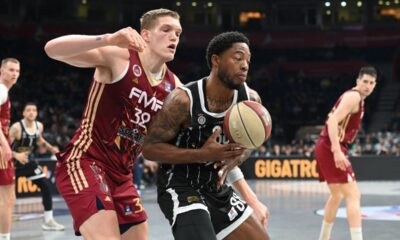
{"points": [[331, 150], [9, 74], [25, 136]]}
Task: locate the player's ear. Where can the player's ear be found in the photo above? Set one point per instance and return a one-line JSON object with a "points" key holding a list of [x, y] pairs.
{"points": [[215, 60], [145, 35]]}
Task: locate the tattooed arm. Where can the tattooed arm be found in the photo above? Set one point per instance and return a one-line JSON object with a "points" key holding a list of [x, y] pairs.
{"points": [[166, 125]]}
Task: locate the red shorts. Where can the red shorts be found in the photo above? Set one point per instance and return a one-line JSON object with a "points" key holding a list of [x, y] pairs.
{"points": [[326, 164], [88, 189], [7, 175]]}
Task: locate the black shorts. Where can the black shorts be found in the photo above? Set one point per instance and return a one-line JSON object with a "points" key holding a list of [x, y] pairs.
{"points": [[32, 170], [227, 210]]}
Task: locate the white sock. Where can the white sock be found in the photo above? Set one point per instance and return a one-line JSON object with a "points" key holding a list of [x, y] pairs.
{"points": [[356, 233], [48, 215], [5, 236], [326, 230]]}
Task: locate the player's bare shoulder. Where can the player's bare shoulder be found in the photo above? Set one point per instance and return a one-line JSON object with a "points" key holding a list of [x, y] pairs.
{"points": [[254, 96], [15, 131], [40, 126], [116, 61], [351, 100]]}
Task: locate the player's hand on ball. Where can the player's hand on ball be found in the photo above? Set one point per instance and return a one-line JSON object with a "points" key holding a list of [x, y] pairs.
{"points": [[213, 151], [127, 38]]}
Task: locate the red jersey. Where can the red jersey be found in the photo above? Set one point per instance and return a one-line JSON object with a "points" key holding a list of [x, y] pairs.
{"points": [[115, 121], [349, 126], [5, 117]]}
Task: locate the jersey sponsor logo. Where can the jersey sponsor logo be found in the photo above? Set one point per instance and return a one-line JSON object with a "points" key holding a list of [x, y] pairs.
{"points": [[137, 70], [147, 101], [133, 135]]}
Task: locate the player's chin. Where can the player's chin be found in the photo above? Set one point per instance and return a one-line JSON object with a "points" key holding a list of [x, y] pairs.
{"points": [[239, 81], [169, 57]]}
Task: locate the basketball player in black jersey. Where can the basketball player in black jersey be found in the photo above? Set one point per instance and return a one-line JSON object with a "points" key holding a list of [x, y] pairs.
{"points": [[25, 135], [186, 137]]}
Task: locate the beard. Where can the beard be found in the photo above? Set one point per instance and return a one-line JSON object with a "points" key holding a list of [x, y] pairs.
{"points": [[226, 80]]}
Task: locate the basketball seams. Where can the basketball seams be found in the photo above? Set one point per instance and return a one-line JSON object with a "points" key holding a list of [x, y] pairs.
{"points": [[227, 131], [244, 126], [259, 113]]}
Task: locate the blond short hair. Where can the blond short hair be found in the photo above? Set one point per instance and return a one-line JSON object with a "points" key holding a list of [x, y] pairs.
{"points": [[6, 60], [147, 21]]}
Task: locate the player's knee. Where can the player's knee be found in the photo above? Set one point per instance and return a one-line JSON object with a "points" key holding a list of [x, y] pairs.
{"points": [[7, 201], [337, 197]]}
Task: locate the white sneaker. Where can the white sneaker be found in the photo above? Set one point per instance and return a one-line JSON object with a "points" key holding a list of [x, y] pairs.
{"points": [[52, 225]]}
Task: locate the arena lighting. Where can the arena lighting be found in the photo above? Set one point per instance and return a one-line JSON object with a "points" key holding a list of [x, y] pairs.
{"points": [[194, 4], [380, 2], [343, 4], [387, 3], [394, 12], [327, 4], [328, 12], [359, 4], [396, 1], [178, 4], [209, 4], [84, 1]]}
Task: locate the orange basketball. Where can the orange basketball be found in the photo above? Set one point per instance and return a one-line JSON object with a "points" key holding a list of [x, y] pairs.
{"points": [[248, 123]]}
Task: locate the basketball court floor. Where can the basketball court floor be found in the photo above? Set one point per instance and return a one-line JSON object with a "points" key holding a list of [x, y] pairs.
{"points": [[295, 206]]}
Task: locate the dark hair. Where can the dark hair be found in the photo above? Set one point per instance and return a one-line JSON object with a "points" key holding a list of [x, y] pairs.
{"points": [[148, 20], [29, 104], [369, 70], [223, 42]]}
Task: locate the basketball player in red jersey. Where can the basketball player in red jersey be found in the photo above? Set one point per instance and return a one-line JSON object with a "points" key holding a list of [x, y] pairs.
{"points": [[129, 85], [340, 130], [9, 73]]}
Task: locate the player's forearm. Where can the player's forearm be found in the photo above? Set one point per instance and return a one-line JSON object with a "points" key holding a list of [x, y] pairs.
{"points": [[3, 139], [50, 148], [333, 132], [168, 153], [71, 45], [245, 191]]}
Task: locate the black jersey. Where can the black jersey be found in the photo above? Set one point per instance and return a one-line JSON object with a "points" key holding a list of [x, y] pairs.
{"points": [[27, 141], [203, 124]]}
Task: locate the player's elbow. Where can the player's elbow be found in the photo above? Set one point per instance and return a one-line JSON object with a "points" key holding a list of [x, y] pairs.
{"points": [[331, 121], [50, 50], [147, 151]]}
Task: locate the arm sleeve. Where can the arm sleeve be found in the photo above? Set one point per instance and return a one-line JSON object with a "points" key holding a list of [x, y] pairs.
{"points": [[234, 175]]}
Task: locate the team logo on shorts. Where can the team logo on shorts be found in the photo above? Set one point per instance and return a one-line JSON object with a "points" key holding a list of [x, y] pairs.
{"points": [[137, 70], [232, 214], [201, 119], [127, 210]]}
